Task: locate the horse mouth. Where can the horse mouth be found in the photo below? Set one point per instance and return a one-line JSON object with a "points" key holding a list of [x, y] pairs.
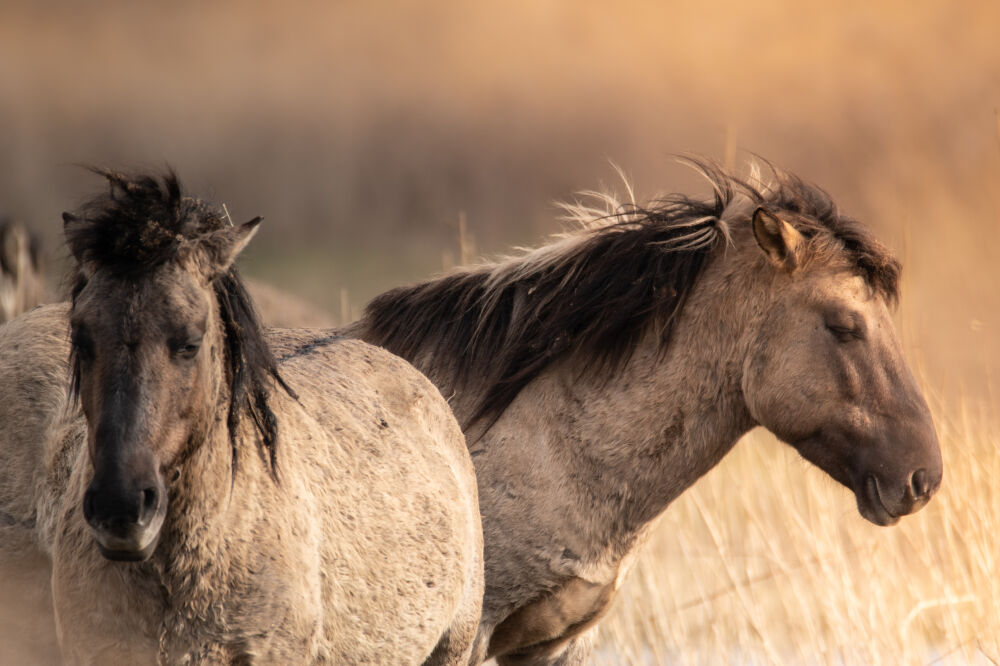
{"points": [[870, 504], [128, 555], [136, 545]]}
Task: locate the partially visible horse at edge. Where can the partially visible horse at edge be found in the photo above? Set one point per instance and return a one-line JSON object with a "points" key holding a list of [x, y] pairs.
{"points": [[598, 377], [222, 499], [22, 272]]}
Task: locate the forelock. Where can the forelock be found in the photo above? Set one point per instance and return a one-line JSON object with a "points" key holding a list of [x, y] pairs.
{"points": [[139, 223]]}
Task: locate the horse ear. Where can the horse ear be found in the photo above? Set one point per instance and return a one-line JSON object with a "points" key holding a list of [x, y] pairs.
{"points": [[220, 248], [780, 241], [69, 223], [70, 226]]}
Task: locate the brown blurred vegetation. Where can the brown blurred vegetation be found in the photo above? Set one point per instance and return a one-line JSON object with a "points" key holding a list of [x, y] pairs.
{"points": [[364, 131]]}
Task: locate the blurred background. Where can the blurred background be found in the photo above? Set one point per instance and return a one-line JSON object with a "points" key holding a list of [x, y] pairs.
{"points": [[384, 141], [364, 131]]}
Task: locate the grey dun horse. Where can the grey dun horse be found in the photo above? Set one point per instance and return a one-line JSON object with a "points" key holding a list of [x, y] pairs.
{"points": [[598, 377], [217, 501]]}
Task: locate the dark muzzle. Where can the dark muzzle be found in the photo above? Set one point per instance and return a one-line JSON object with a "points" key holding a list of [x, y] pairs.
{"points": [[125, 517]]}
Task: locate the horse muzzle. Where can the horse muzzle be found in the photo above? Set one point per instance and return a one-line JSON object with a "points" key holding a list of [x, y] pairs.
{"points": [[883, 502], [126, 526]]}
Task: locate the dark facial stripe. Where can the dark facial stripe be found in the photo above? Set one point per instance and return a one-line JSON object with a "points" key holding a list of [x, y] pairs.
{"points": [[122, 415]]}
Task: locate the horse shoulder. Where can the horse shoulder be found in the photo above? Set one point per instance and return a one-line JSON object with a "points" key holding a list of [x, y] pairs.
{"points": [[383, 420], [393, 479], [333, 374]]}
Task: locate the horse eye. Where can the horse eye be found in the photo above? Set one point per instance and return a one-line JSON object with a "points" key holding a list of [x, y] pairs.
{"points": [[846, 333], [187, 349]]}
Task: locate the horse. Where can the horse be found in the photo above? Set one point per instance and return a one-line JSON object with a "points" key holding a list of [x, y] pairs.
{"points": [[599, 376], [205, 494], [22, 273]]}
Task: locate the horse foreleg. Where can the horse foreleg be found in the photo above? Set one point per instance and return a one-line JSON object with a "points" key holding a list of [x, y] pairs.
{"points": [[573, 652]]}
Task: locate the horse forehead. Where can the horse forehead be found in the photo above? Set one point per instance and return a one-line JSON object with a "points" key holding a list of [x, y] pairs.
{"points": [[841, 286], [133, 306], [176, 293], [161, 307]]}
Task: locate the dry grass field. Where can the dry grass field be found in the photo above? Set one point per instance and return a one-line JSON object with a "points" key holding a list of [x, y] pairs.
{"points": [[364, 131]]}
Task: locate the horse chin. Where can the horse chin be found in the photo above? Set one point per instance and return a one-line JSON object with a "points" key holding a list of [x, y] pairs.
{"points": [[870, 504]]}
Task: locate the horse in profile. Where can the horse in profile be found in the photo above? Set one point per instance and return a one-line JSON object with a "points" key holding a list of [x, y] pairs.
{"points": [[22, 274], [598, 377], [223, 497]]}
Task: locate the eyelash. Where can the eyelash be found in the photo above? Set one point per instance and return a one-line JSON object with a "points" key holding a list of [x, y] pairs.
{"points": [[845, 334], [186, 350]]}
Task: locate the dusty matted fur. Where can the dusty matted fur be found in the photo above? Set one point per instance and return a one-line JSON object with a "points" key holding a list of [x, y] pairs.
{"points": [[599, 376], [322, 510]]}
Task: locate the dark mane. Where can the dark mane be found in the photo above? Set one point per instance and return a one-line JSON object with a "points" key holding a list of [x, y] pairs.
{"points": [[598, 290], [137, 226]]}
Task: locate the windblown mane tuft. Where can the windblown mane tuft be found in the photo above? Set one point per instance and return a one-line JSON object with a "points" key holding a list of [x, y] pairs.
{"points": [[627, 270], [139, 225]]}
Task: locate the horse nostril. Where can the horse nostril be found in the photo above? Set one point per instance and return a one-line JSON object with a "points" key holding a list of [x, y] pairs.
{"points": [[150, 501], [88, 505], [920, 487]]}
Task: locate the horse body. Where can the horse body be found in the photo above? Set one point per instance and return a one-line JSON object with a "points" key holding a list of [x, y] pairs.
{"points": [[582, 434], [353, 558], [356, 541], [573, 473], [37, 432]]}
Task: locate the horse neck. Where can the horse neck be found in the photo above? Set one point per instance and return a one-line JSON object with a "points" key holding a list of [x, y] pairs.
{"points": [[624, 446]]}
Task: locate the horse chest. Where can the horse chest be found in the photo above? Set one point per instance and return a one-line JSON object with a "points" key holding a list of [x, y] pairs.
{"points": [[554, 618]]}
